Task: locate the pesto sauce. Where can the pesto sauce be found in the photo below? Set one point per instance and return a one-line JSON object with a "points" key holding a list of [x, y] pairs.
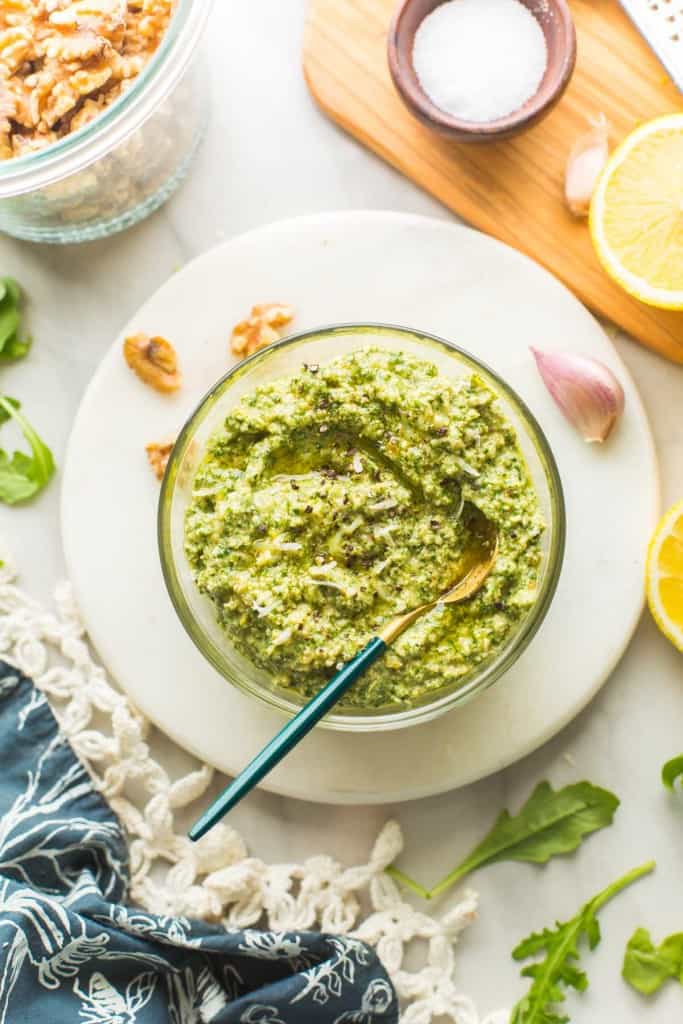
{"points": [[332, 500]]}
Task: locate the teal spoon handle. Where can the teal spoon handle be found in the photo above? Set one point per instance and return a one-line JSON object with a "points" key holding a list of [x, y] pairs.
{"points": [[288, 737]]}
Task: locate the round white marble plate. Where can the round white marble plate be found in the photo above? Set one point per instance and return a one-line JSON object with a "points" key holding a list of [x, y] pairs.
{"points": [[422, 273]]}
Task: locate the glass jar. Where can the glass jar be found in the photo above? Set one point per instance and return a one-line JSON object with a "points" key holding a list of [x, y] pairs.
{"points": [[129, 160], [198, 614]]}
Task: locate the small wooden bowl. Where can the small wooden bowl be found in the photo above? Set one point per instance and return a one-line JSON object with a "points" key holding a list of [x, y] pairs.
{"points": [[558, 28]]}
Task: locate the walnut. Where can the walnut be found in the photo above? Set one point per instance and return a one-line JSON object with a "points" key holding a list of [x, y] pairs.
{"points": [[154, 360], [66, 98], [85, 114], [8, 108], [106, 17], [82, 45], [55, 55], [86, 82], [16, 47], [14, 12], [148, 21], [158, 454], [127, 66], [262, 328], [20, 94], [23, 144], [56, 102]]}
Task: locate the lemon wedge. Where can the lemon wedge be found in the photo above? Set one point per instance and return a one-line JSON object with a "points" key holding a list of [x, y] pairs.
{"points": [[665, 575], [636, 216]]}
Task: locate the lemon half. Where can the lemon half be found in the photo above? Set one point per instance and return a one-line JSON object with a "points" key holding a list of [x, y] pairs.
{"points": [[665, 575], [636, 216]]}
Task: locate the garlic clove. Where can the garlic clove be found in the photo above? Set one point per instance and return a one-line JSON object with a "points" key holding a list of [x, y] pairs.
{"points": [[587, 392], [586, 160]]}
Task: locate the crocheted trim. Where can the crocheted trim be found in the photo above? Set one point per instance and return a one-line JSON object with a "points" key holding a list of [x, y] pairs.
{"points": [[216, 879]]}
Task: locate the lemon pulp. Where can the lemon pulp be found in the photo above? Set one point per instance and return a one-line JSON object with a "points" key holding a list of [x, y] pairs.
{"points": [[637, 213], [665, 575]]}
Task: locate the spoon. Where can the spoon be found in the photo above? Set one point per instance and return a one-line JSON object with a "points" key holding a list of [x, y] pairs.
{"points": [[477, 569]]}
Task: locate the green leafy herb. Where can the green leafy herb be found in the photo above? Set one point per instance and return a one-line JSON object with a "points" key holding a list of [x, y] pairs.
{"points": [[11, 346], [22, 475], [558, 949], [672, 771], [550, 823], [646, 968]]}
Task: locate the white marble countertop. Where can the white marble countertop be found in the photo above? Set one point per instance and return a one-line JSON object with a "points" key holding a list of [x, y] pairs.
{"points": [[271, 154]]}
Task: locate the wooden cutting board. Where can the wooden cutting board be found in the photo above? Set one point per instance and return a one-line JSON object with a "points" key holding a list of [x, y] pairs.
{"points": [[513, 189]]}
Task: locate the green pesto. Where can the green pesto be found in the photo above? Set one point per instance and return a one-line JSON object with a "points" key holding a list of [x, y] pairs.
{"points": [[332, 500]]}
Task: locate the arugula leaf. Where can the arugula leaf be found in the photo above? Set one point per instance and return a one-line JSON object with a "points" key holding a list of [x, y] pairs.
{"points": [[558, 949], [10, 286], [672, 771], [22, 476], [551, 822], [646, 968], [4, 415], [11, 347]]}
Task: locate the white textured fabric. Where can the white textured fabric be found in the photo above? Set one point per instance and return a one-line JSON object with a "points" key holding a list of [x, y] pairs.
{"points": [[216, 879]]}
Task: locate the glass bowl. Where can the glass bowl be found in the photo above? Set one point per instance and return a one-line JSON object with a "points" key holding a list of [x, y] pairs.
{"points": [[128, 161], [195, 610]]}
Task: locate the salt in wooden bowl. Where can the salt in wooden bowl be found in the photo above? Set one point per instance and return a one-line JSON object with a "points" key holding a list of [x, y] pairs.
{"points": [[556, 22]]}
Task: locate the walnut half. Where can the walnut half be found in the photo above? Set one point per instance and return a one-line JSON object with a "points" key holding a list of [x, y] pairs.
{"points": [[261, 328], [154, 360], [158, 454]]}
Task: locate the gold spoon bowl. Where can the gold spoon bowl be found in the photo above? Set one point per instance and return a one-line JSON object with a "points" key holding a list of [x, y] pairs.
{"points": [[478, 564]]}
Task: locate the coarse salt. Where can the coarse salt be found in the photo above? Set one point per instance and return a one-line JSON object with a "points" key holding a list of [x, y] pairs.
{"points": [[480, 60]]}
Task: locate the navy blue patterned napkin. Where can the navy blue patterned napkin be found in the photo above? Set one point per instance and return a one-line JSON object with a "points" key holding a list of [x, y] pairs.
{"points": [[72, 952]]}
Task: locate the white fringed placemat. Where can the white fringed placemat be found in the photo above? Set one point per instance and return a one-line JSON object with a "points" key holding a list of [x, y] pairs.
{"points": [[217, 879]]}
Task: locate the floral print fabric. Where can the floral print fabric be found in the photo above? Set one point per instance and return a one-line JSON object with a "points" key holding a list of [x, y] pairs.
{"points": [[71, 951]]}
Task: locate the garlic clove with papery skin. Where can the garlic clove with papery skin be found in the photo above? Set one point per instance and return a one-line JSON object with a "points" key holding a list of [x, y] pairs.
{"points": [[586, 160], [587, 392]]}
